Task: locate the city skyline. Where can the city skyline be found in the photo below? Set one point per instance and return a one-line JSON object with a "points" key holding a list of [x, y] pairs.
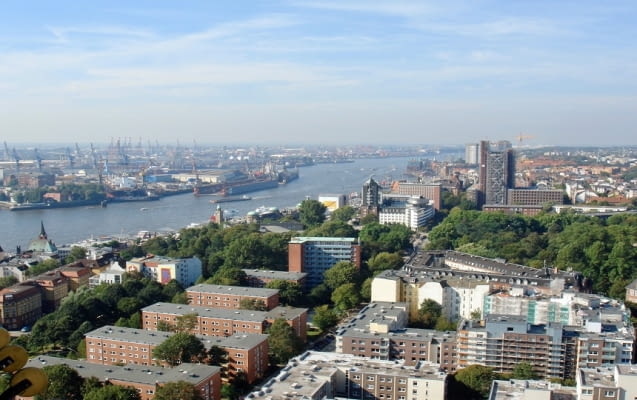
{"points": [[319, 72]]}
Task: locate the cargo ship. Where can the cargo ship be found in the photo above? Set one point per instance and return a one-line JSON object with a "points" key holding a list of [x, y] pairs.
{"points": [[252, 186], [54, 204]]}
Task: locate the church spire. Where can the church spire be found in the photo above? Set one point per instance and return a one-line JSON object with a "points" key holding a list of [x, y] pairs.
{"points": [[42, 231]]}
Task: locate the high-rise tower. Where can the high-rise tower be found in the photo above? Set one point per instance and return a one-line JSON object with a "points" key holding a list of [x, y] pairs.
{"points": [[497, 171]]}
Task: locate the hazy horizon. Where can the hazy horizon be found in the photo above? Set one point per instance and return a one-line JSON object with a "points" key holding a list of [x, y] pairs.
{"points": [[319, 72]]}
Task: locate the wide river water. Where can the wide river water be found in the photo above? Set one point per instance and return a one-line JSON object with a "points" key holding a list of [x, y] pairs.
{"points": [[68, 225]]}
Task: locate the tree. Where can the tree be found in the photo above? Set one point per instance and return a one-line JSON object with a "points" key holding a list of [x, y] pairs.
{"points": [[346, 297], [524, 370], [8, 281], [341, 273], [444, 324], [428, 313], [186, 322], [76, 253], [64, 383], [290, 293], [283, 341], [324, 317], [181, 390], [384, 261], [180, 347], [312, 213], [343, 214], [42, 267], [217, 356], [253, 304], [472, 382], [112, 392]]}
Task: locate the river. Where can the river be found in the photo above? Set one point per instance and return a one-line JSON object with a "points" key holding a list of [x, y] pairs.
{"points": [[68, 225]]}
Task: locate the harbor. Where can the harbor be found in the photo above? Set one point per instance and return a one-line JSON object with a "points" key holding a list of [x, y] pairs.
{"points": [[171, 213]]}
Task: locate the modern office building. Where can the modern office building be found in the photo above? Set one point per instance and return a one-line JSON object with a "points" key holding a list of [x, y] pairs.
{"points": [[497, 171], [20, 305], [315, 255]]}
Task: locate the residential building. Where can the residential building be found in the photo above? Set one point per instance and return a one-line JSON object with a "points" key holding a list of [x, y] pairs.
{"points": [[631, 292], [223, 321], [145, 378], [222, 296], [112, 274], [315, 255], [164, 269], [371, 197], [530, 390], [324, 375], [379, 332], [112, 345], [20, 305], [507, 340], [261, 277], [77, 275], [617, 382], [54, 288]]}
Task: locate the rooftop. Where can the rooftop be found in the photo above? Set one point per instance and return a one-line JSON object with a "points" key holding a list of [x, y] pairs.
{"points": [[141, 374], [235, 290]]}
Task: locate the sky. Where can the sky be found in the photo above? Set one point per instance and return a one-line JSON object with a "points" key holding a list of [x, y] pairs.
{"points": [[319, 71]]}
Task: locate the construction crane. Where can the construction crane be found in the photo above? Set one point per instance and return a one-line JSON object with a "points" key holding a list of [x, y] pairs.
{"points": [[93, 156], [521, 137]]}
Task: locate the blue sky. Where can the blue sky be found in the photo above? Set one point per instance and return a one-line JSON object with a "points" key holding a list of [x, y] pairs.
{"points": [[323, 71]]}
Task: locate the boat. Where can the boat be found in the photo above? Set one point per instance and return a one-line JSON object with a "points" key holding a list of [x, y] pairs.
{"points": [[251, 186], [54, 204], [286, 176], [229, 199]]}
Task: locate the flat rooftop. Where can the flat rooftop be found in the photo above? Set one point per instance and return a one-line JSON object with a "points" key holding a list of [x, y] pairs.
{"points": [[141, 374], [234, 290]]}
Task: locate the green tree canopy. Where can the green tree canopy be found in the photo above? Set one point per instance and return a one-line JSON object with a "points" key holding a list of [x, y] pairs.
{"points": [[524, 370], [324, 317], [312, 213], [64, 383], [346, 297], [113, 392], [428, 313], [473, 382], [384, 261], [180, 347], [181, 390], [290, 293], [341, 273], [283, 341]]}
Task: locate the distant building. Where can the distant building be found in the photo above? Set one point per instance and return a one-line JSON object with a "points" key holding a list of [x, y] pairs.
{"points": [[315, 255], [332, 201], [164, 269], [530, 197], [530, 389], [370, 199], [471, 153], [411, 211], [145, 378], [497, 171], [36, 180], [54, 288], [617, 382], [113, 274], [431, 191], [42, 245], [631, 292]]}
